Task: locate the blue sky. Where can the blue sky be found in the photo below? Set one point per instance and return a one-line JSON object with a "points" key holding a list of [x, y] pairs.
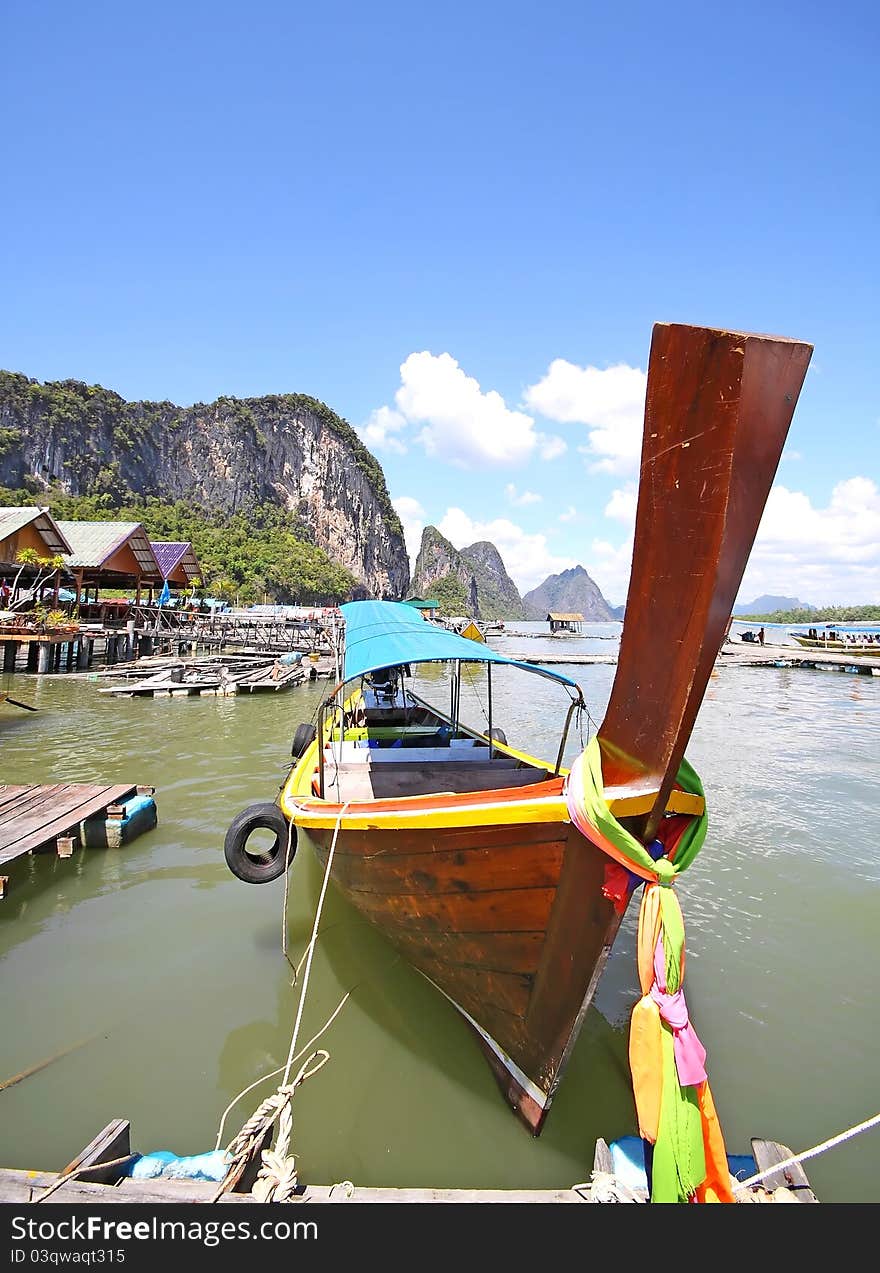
{"points": [[457, 225]]}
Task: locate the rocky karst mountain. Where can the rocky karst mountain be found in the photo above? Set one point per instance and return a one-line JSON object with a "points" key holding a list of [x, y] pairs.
{"points": [[497, 594], [442, 574], [232, 455], [473, 582], [768, 604], [572, 592]]}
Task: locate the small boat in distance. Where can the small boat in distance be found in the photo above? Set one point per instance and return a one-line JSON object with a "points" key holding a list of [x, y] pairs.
{"points": [[831, 638], [493, 871]]}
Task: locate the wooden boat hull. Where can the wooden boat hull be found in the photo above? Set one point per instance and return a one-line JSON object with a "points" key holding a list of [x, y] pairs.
{"points": [[502, 910], [472, 867]]}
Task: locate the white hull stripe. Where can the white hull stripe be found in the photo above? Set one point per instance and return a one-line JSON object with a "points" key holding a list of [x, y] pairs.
{"points": [[540, 1098]]}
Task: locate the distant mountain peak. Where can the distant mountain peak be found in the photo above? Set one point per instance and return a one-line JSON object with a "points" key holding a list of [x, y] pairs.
{"points": [[570, 592], [472, 582], [768, 604]]}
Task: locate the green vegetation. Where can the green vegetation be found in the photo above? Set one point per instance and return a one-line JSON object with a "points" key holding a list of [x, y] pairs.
{"points": [[76, 411], [9, 438], [245, 557], [825, 614], [452, 594], [255, 553]]}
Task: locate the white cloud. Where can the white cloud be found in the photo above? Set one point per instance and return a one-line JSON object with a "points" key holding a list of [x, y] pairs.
{"points": [[527, 558], [824, 556], [610, 402], [569, 515], [461, 423], [551, 447], [821, 555], [621, 507], [527, 497], [412, 518], [610, 568], [379, 433]]}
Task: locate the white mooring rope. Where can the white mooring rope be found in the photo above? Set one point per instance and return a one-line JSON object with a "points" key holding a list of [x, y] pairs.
{"points": [[277, 1177], [809, 1153]]}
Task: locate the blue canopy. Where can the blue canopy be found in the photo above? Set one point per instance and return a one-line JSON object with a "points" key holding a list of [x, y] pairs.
{"points": [[381, 634]]}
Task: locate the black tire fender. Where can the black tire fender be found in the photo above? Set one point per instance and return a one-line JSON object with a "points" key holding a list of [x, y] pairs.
{"points": [[303, 736], [259, 868]]}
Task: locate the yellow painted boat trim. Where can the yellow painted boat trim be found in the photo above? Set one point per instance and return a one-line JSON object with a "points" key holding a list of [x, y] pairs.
{"points": [[307, 810], [298, 802], [362, 817]]}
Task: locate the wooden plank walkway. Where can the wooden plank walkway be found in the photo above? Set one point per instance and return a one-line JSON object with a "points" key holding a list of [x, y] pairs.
{"points": [[186, 679], [95, 1176], [747, 655], [739, 655], [34, 817]]}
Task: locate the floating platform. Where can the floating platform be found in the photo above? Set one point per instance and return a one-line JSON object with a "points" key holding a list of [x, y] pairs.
{"points": [[738, 655], [192, 679], [63, 816], [99, 1175]]}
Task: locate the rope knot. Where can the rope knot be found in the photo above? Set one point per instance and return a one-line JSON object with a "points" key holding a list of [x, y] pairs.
{"points": [[666, 872]]}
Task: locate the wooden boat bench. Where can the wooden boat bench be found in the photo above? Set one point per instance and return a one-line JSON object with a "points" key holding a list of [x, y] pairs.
{"points": [[357, 754], [403, 778]]}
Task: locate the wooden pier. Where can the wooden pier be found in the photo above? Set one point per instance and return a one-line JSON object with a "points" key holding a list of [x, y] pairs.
{"points": [[217, 676], [738, 655], [151, 631], [63, 816], [97, 1176]]}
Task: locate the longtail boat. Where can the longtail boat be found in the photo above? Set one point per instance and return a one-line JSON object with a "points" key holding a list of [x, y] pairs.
{"points": [[853, 644], [503, 877]]}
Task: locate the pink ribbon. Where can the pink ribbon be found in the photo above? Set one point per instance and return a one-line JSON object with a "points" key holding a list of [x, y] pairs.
{"points": [[690, 1055]]}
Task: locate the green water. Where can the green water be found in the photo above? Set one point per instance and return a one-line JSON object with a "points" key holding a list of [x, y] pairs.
{"points": [[166, 977]]}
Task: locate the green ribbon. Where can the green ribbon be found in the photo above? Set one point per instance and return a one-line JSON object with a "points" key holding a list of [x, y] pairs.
{"points": [[603, 819]]}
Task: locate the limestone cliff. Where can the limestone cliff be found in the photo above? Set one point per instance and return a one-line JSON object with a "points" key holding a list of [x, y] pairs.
{"points": [[472, 582], [497, 595], [227, 456], [442, 574], [572, 592]]}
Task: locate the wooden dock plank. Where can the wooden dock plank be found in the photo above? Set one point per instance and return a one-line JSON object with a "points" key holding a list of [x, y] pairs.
{"points": [[22, 1187], [110, 1145], [39, 807], [60, 813], [26, 800], [28, 811], [9, 792], [767, 1153]]}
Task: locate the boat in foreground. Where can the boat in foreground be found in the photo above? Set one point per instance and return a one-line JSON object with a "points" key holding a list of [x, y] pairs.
{"points": [[500, 875]]}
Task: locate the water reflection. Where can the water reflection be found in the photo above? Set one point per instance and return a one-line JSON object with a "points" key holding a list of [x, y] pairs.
{"points": [[177, 967]]}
